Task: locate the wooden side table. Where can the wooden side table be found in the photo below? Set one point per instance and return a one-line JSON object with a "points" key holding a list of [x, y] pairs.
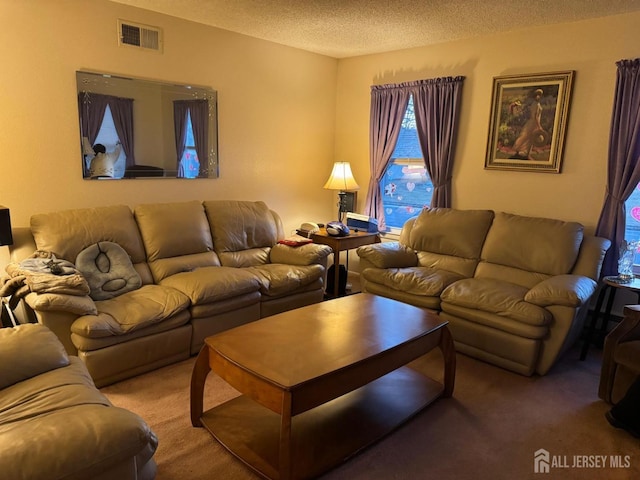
{"points": [[338, 244], [609, 285]]}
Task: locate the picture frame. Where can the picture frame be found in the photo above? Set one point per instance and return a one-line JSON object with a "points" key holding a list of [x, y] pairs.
{"points": [[528, 122]]}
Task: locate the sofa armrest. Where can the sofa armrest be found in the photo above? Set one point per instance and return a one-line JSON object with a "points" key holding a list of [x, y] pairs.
{"points": [[564, 290], [309, 254], [82, 441], [49, 302], [388, 255], [27, 351]]}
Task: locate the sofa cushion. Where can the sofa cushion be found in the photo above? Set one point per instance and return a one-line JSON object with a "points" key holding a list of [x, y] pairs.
{"points": [[447, 231], [245, 258], [241, 225], [533, 244], [177, 232], [108, 270], [419, 281], [497, 297], [133, 310], [66, 233], [212, 284], [277, 279], [46, 353]]}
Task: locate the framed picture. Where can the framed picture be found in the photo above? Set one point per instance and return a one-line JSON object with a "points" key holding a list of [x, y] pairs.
{"points": [[528, 122]]}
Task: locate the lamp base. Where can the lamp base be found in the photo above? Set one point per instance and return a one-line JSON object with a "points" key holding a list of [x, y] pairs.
{"points": [[346, 203]]}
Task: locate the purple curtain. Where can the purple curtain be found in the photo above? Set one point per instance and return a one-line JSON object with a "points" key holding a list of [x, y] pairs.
{"points": [[437, 108], [624, 159], [200, 122], [388, 105], [180, 110], [92, 107], [122, 113]]}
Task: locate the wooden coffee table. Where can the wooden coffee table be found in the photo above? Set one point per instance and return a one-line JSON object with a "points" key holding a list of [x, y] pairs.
{"points": [[321, 382]]}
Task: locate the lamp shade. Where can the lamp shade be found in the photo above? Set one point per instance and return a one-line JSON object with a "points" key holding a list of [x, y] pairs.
{"points": [[341, 178], [6, 238]]}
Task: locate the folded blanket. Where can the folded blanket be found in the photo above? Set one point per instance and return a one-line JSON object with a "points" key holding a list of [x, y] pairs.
{"points": [[42, 273]]}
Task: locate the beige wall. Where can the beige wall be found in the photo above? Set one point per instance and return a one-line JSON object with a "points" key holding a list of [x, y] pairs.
{"points": [[285, 115], [591, 48], [276, 110]]}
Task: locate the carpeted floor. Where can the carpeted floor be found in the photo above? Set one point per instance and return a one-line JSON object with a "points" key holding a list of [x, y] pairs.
{"points": [[489, 429]]}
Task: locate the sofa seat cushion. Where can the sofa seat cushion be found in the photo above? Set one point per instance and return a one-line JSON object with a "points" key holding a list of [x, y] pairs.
{"points": [[212, 284], [245, 258], [131, 311], [277, 279], [110, 328], [472, 320], [496, 297], [58, 425], [421, 281]]}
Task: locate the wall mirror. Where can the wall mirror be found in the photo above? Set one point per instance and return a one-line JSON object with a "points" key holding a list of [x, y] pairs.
{"points": [[134, 128]]}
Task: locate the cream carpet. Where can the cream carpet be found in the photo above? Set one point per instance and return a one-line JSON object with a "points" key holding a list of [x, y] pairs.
{"points": [[489, 429]]}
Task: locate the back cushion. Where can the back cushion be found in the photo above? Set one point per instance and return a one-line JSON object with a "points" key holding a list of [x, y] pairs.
{"points": [[176, 237], [446, 231], [533, 244], [243, 232], [66, 233]]}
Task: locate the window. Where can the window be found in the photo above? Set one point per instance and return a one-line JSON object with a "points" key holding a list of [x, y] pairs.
{"points": [[632, 223], [189, 163], [108, 137], [405, 186]]}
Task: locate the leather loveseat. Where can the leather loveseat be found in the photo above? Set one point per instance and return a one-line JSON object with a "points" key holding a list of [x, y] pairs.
{"points": [[54, 423], [514, 289], [188, 270]]}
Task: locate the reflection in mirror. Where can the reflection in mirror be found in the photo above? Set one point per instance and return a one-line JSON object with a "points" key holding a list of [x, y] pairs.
{"points": [[133, 128]]}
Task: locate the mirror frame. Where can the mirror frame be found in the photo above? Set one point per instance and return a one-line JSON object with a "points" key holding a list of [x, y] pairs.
{"points": [[153, 118]]}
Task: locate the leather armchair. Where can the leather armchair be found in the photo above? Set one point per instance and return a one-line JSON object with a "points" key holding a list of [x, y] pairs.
{"points": [[54, 422], [621, 356]]}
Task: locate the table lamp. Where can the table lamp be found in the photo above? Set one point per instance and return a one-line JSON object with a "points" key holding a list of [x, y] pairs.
{"points": [[342, 179]]}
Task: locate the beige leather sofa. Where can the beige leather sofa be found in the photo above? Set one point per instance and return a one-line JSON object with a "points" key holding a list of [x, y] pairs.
{"points": [[200, 268], [54, 423], [514, 289], [621, 356]]}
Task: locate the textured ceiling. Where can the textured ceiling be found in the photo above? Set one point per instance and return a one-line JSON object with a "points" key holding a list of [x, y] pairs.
{"points": [[345, 28]]}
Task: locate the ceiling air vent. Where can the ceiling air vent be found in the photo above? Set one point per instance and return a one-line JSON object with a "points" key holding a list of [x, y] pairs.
{"points": [[141, 36]]}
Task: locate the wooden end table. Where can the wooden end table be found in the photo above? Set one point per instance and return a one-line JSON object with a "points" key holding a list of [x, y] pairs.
{"points": [[609, 285], [321, 382], [338, 244]]}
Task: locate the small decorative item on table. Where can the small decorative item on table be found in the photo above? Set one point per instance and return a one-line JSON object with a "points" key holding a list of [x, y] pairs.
{"points": [[625, 261]]}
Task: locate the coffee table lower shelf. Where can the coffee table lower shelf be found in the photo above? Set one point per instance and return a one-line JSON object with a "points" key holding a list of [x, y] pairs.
{"points": [[326, 435]]}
